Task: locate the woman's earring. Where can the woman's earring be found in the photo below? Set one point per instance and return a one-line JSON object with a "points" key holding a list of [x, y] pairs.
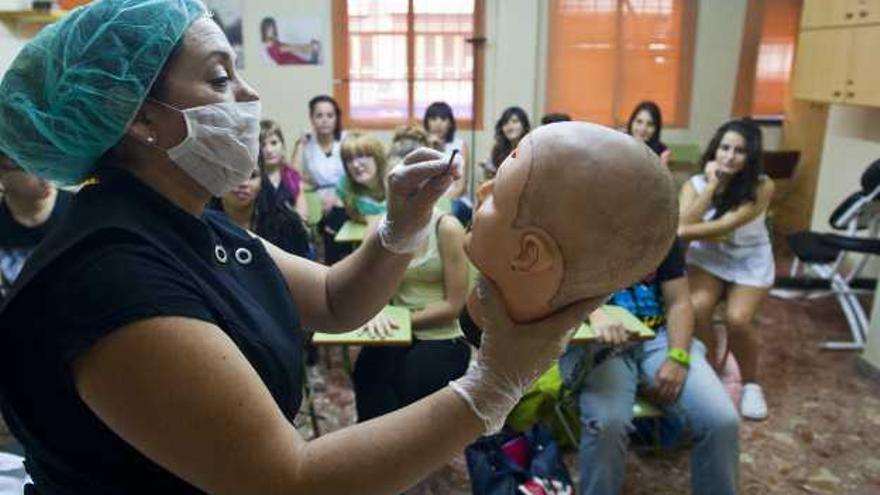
{"points": [[151, 139]]}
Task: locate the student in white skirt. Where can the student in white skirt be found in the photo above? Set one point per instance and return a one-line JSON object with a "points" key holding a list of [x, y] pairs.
{"points": [[722, 213]]}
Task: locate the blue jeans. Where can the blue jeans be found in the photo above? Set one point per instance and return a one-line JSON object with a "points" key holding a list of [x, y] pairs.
{"points": [[606, 401]]}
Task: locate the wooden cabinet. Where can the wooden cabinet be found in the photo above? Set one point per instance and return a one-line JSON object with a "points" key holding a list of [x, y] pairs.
{"points": [[863, 83], [821, 65], [839, 66], [836, 13]]}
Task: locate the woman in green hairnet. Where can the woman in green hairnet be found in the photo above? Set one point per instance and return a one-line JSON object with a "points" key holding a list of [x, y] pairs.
{"points": [[152, 346]]}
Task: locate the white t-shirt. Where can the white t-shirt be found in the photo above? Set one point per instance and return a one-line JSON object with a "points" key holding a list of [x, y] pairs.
{"points": [[325, 170]]}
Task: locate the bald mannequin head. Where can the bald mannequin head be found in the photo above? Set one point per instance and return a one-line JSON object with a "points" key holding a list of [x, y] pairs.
{"points": [[578, 211]]}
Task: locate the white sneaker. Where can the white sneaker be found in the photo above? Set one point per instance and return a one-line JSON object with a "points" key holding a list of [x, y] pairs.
{"points": [[752, 405]]}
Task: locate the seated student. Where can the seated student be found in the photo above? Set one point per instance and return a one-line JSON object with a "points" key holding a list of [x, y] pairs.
{"points": [[510, 128], [645, 124], [361, 191], [434, 288], [29, 207], [316, 154], [722, 213], [405, 140], [555, 117], [258, 207], [439, 122], [283, 177], [673, 367]]}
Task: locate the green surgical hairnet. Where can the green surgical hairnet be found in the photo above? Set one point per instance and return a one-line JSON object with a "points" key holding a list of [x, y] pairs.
{"points": [[72, 91]]}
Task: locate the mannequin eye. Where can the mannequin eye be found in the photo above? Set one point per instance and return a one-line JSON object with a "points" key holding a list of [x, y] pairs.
{"points": [[220, 82]]}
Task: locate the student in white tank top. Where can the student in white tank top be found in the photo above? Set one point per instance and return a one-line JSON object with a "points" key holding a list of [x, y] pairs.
{"points": [[722, 213], [317, 154]]}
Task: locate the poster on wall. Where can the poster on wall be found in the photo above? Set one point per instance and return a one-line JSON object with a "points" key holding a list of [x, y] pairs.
{"points": [[292, 41], [227, 13]]}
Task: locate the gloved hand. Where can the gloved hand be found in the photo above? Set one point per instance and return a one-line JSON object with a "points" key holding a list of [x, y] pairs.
{"points": [[413, 189], [512, 355]]}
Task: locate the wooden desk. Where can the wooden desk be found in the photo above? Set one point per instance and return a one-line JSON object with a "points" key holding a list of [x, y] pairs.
{"points": [[402, 336], [639, 331], [351, 232]]}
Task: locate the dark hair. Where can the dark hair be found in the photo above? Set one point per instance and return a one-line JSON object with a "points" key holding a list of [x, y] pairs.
{"points": [[743, 186], [266, 23], [504, 146], [654, 111], [337, 131], [442, 110], [555, 117]]}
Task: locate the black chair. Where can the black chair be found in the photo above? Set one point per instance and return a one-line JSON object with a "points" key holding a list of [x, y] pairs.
{"points": [[833, 262]]}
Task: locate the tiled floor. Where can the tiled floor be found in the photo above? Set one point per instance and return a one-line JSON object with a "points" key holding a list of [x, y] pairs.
{"points": [[823, 434]]}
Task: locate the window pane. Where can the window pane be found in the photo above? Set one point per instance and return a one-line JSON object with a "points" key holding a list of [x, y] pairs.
{"points": [[607, 55], [456, 93], [379, 84], [443, 59], [651, 55], [775, 56], [581, 66], [378, 100]]}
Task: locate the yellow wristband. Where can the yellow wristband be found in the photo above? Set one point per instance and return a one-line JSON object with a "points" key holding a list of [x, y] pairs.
{"points": [[680, 356]]}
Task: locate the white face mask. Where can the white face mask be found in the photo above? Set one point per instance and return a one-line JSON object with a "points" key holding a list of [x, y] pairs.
{"points": [[221, 145]]}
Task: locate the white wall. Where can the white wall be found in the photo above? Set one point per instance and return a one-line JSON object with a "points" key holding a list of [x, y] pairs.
{"points": [[852, 142], [9, 46]]}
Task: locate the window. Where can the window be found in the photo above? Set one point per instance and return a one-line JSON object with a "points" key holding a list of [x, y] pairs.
{"points": [[766, 58], [605, 56], [394, 57]]}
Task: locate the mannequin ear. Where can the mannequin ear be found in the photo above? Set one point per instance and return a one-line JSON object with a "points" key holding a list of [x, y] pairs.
{"points": [[538, 252]]}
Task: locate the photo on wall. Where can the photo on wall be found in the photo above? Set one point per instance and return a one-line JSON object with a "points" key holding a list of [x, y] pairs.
{"points": [[292, 41], [227, 13]]}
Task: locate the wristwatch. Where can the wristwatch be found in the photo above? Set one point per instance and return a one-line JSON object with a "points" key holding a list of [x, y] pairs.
{"points": [[680, 356]]}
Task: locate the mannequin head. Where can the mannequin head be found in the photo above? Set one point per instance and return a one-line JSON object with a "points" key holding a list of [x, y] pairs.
{"points": [[577, 211]]}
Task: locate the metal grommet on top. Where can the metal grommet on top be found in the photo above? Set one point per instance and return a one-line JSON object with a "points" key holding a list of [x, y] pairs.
{"points": [[220, 254], [244, 256]]}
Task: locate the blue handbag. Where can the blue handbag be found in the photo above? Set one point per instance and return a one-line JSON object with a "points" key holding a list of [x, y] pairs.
{"points": [[518, 464]]}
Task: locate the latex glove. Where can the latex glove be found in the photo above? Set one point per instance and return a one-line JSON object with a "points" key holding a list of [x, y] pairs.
{"points": [[669, 381], [380, 327], [413, 189], [512, 355]]}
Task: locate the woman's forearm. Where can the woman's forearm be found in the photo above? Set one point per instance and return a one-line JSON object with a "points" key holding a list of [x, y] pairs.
{"points": [[389, 454], [360, 285]]}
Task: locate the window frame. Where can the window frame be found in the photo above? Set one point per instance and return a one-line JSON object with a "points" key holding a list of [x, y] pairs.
{"points": [[341, 77]]}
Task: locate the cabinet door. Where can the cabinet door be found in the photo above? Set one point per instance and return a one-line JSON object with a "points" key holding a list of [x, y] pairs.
{"points": [[863, 83], [863, 12], [822, 13], [820, 72]]}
